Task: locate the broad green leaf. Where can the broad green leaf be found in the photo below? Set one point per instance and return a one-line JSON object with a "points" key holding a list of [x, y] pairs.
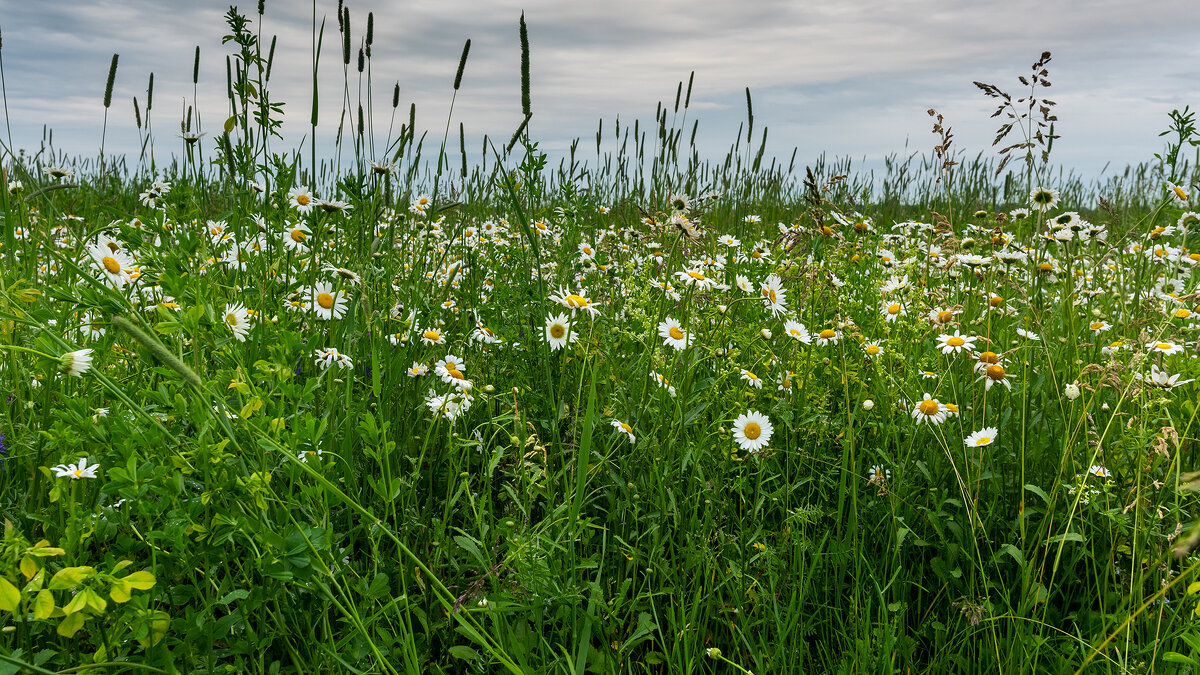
{"points": [[10, 597], [43, 605], [70, 625], [69, 577]]}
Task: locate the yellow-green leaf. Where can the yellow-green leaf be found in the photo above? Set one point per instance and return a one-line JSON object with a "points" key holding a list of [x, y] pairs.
{"points": [[229, 124], [76, 604], [43, 605], [70, 625], [119, 591], [94, 601], [28, 566], [68, 577], [1193, 588], [10, 597], [35, 584], [141, 580]]}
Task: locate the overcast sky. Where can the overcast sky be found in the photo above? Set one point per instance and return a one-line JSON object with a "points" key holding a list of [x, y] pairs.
{"points": [[844, 78]]}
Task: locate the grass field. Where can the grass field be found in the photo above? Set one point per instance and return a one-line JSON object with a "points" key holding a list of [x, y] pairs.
{"points": [[405, 410]]}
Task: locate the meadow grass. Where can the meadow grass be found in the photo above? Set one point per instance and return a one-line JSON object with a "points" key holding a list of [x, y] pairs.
{"points": [[641, 412]]}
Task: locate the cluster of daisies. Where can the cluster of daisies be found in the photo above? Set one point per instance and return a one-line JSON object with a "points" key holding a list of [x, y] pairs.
{"points": [[969, 290]]}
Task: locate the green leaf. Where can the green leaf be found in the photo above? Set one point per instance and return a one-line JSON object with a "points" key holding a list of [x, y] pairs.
{"points": [[230, 123], [1014, 552], [70, 625], [43, 605], [69, 577], [10, 597], [463, 652], [1037, 491], [1066, 536]]}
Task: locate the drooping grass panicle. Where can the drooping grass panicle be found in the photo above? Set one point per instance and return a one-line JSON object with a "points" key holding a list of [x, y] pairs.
{"points": [[158, 349]]}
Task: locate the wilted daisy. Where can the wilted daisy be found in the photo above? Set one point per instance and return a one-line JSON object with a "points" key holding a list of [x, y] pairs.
{"points": [[952, 344], [752, 431], [827, 337], [575, 301], [673, 334], [978, 439], [237, 319], [76, 363], [327, 358], [76, 471], [625, 429], [1178, 192], [1161, 378], [558, 332], [327, 303], [663, 382], [930, 410]]}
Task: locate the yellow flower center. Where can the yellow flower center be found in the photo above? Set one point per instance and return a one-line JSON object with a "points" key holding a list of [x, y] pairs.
{"points": [[577, 301], [325, 300], [995, 372], [110, 264], [996, 301], [1180, 193], [769, 294], [1116, 345], [751, 376], [626, 428], [956, 341], [1045, 267], [828, 334], [945, 316], [78, 473], [950, 407], [752, 431], [557, 331], [1096, 325], [303, 200], [454, 372], [1163, 346], [983, 440], [675, 333], [698, 276], [433, 335], [1182, 313], [929, 407], [298, 236], [231, 319], [587, 251], [873, 349], [893, 308], [989, 357]]}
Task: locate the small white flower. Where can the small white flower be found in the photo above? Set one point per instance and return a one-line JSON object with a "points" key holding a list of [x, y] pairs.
{"points": [[76, 363], [1071, 391], [76, 471]]}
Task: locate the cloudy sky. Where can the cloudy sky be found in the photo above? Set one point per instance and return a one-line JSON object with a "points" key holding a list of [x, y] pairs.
{"points": [[844, 78]]}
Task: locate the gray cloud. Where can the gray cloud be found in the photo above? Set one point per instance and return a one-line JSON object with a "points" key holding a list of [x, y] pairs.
{"points": [[846, 78]]}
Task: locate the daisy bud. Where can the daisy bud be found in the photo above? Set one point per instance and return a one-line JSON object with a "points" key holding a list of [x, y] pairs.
{"points": [[766, 333]]}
